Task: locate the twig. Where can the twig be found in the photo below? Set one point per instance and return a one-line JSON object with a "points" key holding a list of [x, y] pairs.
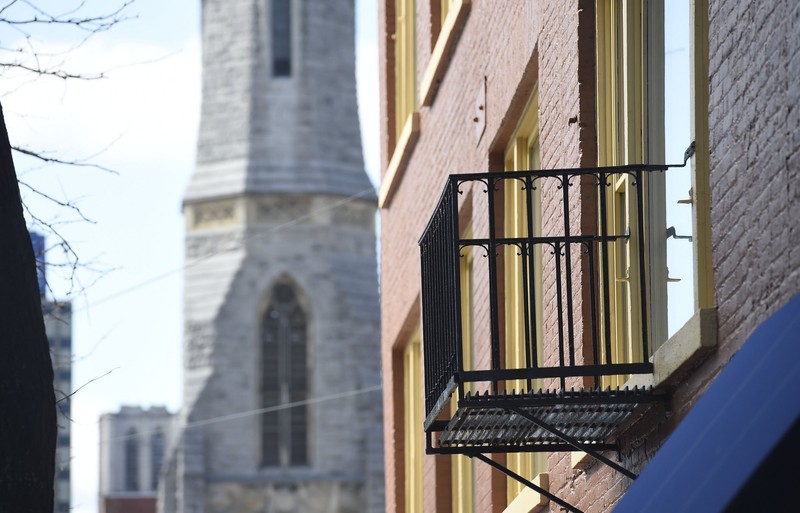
{"points": [[79, 163], [85, 384]]}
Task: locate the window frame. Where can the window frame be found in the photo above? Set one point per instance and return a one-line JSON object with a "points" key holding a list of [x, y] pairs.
{"points": [[131, 459], [522, 153], [463, 467], [282, 425], [413, 416], [405, 65], [638, 87], [403, 120], [282, 66], [157, 452]]}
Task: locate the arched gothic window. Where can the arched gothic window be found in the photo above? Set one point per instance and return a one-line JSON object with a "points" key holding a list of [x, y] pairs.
{"points": [[132, 461], [156, 457], [281, 38], [284, 380]]}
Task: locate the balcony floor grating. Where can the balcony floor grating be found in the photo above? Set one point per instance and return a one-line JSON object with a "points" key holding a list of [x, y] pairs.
{"points": [[492, 423]]}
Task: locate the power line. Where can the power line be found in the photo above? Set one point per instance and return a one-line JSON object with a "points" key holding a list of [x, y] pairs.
{"points": [[256, 411], [232, 247], [285, 406]]}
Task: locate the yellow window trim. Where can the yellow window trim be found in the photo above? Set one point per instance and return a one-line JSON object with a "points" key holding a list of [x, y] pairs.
{"points": [[405, 69], [522, 153], [704, 269], [397, 165], [617, 145], [684, 350], [462, 467], [451, 26], [463, 476], [621, 72], [412, 418], [529, 500]]}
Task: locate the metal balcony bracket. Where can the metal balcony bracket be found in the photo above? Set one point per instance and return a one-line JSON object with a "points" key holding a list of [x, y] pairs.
{"points": [[574, 442], [510, 473]]}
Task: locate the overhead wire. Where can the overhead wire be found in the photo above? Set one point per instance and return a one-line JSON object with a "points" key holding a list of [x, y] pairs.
{"points": [[231, 247], [250, 413]]}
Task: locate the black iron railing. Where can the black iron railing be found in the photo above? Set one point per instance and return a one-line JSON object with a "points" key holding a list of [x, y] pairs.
{"points": [[545, 258]]}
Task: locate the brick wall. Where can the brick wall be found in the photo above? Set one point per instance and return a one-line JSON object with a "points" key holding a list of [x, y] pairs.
{"points": [[754, 60], [498, 48], [128, 505], [754, 129]]}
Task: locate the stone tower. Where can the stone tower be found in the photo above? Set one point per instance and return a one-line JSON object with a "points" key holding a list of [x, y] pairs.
{"points": [[281, 407]]}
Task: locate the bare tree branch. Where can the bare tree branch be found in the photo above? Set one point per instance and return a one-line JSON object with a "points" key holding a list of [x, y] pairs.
{"points": [[57, 73], [25, 16], [56, 160], [85, 384], [65, 204], [98, 23]]}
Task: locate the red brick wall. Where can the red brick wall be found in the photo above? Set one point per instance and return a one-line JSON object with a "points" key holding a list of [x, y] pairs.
{"points": [[498, 46], [755, 160], [128, 505], [754, 119]]}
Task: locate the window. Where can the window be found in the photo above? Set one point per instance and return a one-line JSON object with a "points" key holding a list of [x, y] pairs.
{"points": [[404, 64], [402, 101], [644, 94], [156, 457], [281, 38], [63, 374], [621, 117], [132, 461], [64, 406], [284, 380], [463, 467], [671, 131], [523, 275], [413, 411]]}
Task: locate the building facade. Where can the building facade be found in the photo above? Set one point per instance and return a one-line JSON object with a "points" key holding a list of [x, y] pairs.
{"points": [[602, 251], [133, 446], [57, 317], [281, 408], [58, 326]]}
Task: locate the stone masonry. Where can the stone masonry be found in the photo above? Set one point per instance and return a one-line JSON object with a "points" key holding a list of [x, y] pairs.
{"points": [[279, 194]]}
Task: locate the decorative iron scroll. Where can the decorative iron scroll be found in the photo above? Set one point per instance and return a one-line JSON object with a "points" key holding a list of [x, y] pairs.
{"points": [[565, 244]]}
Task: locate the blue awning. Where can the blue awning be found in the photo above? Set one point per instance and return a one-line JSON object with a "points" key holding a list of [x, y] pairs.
{"points": [[720, 445]]}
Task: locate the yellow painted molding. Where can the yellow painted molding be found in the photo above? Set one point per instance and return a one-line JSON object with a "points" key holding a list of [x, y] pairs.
{"points": [[579, 459], [529, 500], [402, 151], [704, 269], [452, 25], [684, 350]]}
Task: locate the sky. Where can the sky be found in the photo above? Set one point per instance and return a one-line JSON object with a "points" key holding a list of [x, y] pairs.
{"points": [[140, 122]]}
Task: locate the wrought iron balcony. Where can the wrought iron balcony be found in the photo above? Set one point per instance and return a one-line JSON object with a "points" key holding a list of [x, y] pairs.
{"points": [[576, 260]]}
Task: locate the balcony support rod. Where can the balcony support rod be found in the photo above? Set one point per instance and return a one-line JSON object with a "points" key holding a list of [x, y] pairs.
{"points": [[510, 473], [574, 443]]}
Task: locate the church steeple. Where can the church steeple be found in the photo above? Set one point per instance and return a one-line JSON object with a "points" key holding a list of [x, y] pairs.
{"points": [[281, 317], [279, 110]]}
